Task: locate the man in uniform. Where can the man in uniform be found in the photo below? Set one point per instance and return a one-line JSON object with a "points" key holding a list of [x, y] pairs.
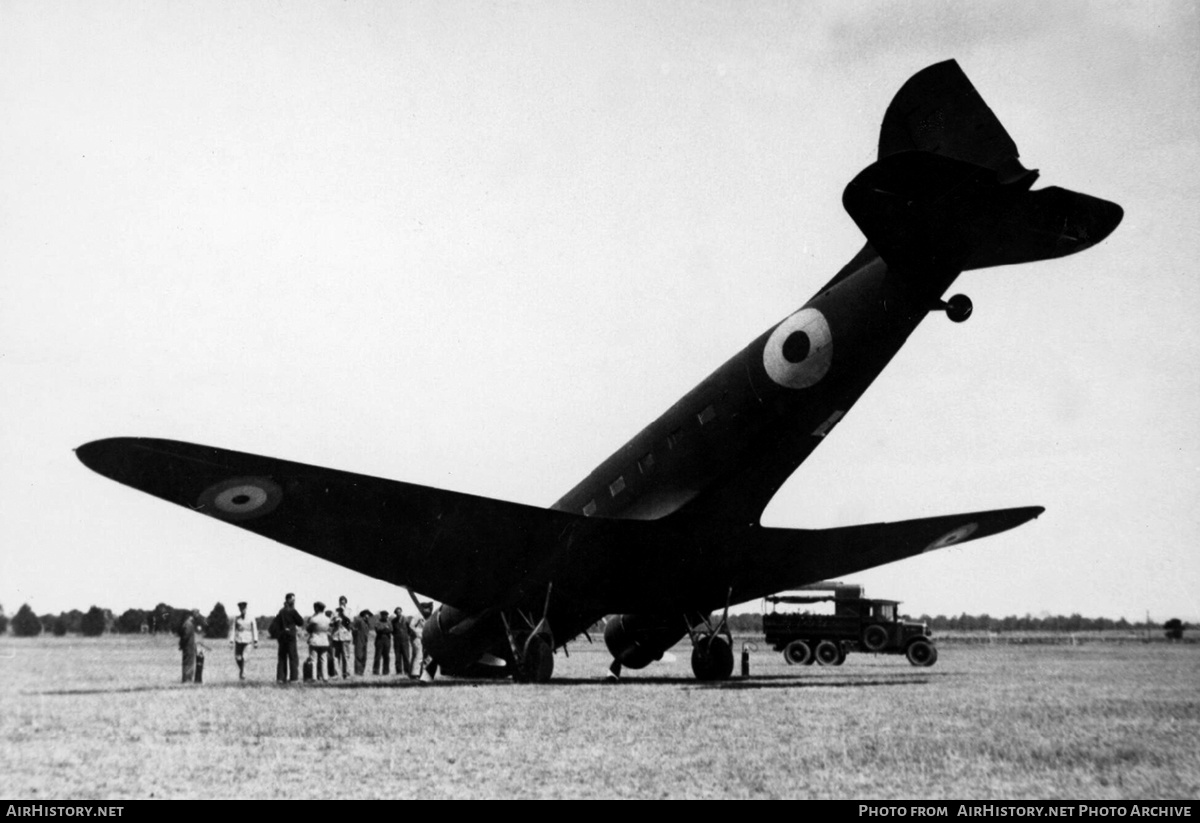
{"points": [[284, 629], [242, 632]]}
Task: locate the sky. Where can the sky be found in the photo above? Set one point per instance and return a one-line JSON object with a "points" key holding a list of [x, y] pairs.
{"points": [[480, 245]]}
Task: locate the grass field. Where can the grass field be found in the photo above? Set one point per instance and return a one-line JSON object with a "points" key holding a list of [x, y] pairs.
{"points": [[106, 719]]}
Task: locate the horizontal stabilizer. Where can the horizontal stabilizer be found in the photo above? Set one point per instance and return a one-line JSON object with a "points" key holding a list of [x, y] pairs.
{"points": [[789, 558]]}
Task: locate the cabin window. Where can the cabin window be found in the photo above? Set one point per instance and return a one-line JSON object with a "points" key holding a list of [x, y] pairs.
{"points": [[617, 486], [674, 437], [646, 464], [589, 509], [707, 416]]}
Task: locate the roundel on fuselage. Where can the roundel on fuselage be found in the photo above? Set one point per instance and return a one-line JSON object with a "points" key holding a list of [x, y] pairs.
{"points": [[799, 351]]}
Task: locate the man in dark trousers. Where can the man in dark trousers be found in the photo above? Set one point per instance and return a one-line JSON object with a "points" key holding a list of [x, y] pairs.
{"points": [[283, 629], [189, 633], [400, 641], [383, 643], [362, 633]]}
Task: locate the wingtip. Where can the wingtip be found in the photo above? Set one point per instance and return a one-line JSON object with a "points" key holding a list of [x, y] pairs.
{"points": [[98, 455]]}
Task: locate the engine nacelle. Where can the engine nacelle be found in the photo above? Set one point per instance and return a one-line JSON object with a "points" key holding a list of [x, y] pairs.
{"points": [[457, 640], [637, 640]]}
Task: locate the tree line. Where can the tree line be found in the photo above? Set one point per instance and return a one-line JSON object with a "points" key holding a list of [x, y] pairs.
{"points": [[164, 618], [96, 621]]}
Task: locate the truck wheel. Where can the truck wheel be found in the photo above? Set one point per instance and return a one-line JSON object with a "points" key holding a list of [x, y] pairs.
{"points": [[827, 653], [798, 653], [874, 638], [841, 654], [921, 653]]}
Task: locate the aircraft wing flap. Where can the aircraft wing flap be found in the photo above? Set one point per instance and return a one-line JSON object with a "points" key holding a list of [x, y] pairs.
{"points": [[472, 552]]}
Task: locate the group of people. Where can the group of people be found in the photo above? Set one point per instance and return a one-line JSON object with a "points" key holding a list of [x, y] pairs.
{"points": [[335, 638]]}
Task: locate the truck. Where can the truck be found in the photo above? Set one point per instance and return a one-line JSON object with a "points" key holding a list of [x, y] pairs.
{"points": [[856, 625]]}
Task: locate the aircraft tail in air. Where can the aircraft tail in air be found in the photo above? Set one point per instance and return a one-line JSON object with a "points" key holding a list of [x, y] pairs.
{"points": [[949, 190]]}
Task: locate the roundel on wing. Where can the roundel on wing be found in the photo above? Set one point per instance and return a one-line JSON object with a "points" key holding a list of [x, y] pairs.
{"points": [[241, 498], [950, 538], [799, 351]]}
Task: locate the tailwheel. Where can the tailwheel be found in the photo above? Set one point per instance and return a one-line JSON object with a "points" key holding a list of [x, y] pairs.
{"points": [[712, 658], [536, 664], [958, 308]]}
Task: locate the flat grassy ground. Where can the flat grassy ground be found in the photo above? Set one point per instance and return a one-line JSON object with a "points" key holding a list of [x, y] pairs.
{"points": [[106, 718]]}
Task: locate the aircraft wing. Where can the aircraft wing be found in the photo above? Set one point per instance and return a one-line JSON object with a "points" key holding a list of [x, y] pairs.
{"points": [[786, 558], [472, 552]]}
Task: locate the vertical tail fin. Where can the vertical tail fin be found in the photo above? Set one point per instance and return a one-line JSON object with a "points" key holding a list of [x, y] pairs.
{"points": [[949, 191]]}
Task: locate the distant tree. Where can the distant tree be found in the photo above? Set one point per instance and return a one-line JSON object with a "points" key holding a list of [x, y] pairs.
{"points": [[93, 623], [1174, 628], [217, 624], [25, 623], [3, 621], [59, 626], [74, 620], [160, 618], [130, 621]]}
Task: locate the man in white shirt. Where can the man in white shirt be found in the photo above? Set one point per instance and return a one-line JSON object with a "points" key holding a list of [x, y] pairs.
{"points": [[318, 640], [242, 632]]}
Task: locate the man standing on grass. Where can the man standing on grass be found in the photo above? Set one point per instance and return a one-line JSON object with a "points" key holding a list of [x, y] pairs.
{"points": [[362, 633], [242, 632], [400, 638], [283, 629], [383, 643], [189, 632]]}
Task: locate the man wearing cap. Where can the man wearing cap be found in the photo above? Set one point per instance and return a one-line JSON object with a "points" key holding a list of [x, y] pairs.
{"points": [[242, 632]]}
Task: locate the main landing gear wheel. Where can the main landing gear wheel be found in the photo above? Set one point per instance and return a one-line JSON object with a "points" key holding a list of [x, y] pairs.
{"points": [[798, 653], [921, 653], [712, 658], [828, 653], [537, 661]]}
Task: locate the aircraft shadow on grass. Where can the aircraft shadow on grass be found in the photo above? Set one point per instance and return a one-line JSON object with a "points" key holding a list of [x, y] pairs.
{"points": [[765, 682]]}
